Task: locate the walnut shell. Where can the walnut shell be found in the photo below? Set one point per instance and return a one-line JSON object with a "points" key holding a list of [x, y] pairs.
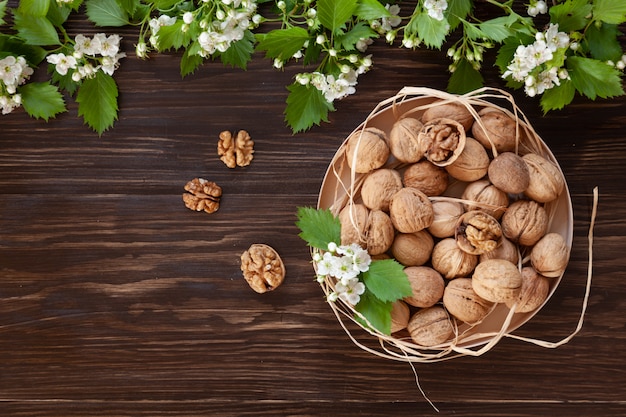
{"points": [[546, 180], [507, 250], [400, 315], [453, 110], [427, 285], [445, 218], [426, 177], [477, 232], [430, 326], [509, 173], [370, 147], [410, 210], [497, 280], [500, 130], [380, 232], [412, 249], [446, 138], [460, 299], [534, 292], [525, 222], [404, 141], [472, 163], [379, 186], [452, 262], [262, 268], [550, 255], [488, 197], [353, 219]]}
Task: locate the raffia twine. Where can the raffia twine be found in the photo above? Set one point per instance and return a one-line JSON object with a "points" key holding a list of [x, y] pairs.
{"points": [[465, 342]]}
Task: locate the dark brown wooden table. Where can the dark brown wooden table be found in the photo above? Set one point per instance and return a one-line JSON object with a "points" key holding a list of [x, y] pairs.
{"points": [[115, 300]]}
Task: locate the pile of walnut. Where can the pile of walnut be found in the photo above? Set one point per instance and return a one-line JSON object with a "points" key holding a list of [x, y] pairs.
{"points": [[461, 255]]}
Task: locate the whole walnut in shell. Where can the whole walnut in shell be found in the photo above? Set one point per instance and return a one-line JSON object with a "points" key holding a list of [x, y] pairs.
{"points": [[509, 173], [550, 255], [370, 147], [463, 303], [477, 232], [412, 249], [426, 177], [507, 250], [500, 130], [446, 138], [353, 219], [525, 222], [497, 280], [534, 292], [410, 210], [445, 218], [546, 180], [430, 326], [404, 141], [451, 261], [454, 110], [380, 232], [427, 285], [487, 197], [472, 163], [400, 315], [379, 186]]}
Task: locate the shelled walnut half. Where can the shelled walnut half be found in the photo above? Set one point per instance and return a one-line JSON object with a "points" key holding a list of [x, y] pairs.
{"points": [[202, 195], [262, 268], [235, 150]]}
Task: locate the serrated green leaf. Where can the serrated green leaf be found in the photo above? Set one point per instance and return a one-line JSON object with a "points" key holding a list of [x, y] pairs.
{"points": [[190, 62], [35, 30], [558, 96], [371, 10], [282, 43], [432, 31], [333, 14], [506, 53], [602, 42], [97, 101], [386, 280], [64, 82], [318, 227], [472, 31], [464, 78], [172, 36], [42, 100], [3, 11], [497, 29], [571, 15], [129, 6], [239, 53], [457, 10], [306, 106], [34, 7], [312, 53], [106, 13], [58, 14], [360, 31], [594, 78], [15, 46], [377, 312], [142, 12], [164, 4], [610, 11]]}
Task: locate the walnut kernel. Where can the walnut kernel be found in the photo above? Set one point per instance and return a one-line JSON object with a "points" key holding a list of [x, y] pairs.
{"points": [[202, 195], [262, 268], [446, 138], [235, 150], [477, 232]]}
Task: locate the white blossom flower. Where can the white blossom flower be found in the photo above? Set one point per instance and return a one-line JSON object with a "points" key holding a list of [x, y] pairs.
{"points": [[362, 44], [387, 23], [188, 17], [110, 64], [435, 8], [537, 7], [350, 291], [86, 45], [555, 39], [141, 49], [62, 62], [109, 45]]}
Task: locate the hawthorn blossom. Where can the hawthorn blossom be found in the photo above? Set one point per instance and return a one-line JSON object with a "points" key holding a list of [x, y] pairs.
{"points": [[537, 7], [63, 63], [387, 23], [435, 8], [350, 291]]}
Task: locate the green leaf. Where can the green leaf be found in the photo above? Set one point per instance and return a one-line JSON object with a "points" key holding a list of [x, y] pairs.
{"points": [[3, 10], [97, 101], [129, 6], [610, 11], [190, 62], [318, 227], [506, 53], [58, 14], [14, 46], [370, 10], [306, 106], [42, 100], [64, 82], [558, 96], [377, 312], [282, 43], [432, 31], [106, 13], [34, 7], [497, 29], [360, 31], [457, 10], [35, 30], [594, 78], [164, 4], [603, 43], [172, 37], [386, 280], [472, 31], [333, 14], [239, 53], [464, 78], [571, 15]]}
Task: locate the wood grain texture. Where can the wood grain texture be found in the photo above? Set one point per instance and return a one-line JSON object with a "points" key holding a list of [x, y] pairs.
{"points": [[115, 300]]}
